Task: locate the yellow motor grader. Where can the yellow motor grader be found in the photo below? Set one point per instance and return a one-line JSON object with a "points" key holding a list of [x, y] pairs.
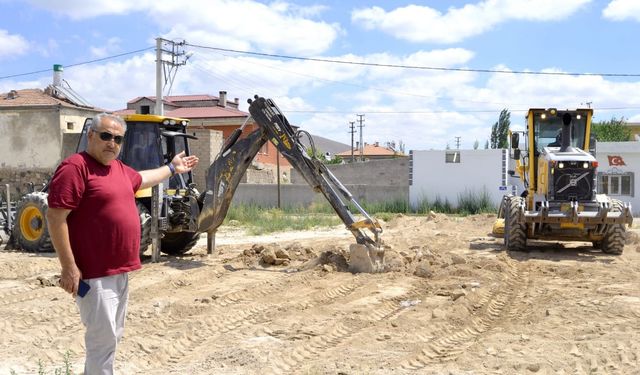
{"points": [[559, 202]]}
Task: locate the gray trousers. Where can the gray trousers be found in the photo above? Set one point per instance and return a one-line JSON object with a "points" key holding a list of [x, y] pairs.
{"points": [[103, 310]]}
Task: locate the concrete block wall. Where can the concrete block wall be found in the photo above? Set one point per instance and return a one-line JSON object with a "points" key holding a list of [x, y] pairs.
{"points": [[206, 147], [385, 172], [292, 195], [19, 180]]}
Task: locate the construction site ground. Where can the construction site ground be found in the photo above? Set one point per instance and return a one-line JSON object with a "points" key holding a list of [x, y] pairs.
{"points": [[453, 302]]}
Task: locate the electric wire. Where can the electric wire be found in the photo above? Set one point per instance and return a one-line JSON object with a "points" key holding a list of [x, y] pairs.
{"points": [[80, 63], [418, 67], [345, 83]]}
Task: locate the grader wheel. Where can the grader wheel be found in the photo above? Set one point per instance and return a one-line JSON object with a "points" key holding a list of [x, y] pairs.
{"points": [[613, 240], [515, 232]]}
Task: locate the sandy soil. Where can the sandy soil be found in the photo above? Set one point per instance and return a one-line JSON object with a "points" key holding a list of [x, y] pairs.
{"points": [[453, 302]]}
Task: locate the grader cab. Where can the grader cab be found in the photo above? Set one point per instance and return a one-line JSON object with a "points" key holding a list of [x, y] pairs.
{"points": [[557, 167]]}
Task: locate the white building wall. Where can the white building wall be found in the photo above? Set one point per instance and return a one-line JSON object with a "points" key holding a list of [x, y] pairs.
{"points": [[616, 158], [433, 178]]}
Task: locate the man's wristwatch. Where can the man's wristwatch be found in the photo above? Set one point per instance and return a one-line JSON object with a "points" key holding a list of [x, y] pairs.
{"points": [[171, 168]]}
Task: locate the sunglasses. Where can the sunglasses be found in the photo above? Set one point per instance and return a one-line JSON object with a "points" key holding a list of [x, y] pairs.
{"points": [[106, 136]]}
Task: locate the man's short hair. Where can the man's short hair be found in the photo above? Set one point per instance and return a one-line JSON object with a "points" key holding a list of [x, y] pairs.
{"points": [[97, 120]]}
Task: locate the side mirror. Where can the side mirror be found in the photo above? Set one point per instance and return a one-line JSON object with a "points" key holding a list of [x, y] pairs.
{"points": [[516, 154], [515, 140], [592, 144]]}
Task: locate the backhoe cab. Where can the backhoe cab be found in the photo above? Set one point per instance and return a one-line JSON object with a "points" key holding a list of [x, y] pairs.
{"points": [[150, 142], [559, 200]]}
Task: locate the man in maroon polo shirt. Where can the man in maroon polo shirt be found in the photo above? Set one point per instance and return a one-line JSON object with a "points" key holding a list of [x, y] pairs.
{"points": [[94, 226]]}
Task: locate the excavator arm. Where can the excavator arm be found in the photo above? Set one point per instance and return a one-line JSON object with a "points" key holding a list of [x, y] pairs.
{"points": [[224, 175]]}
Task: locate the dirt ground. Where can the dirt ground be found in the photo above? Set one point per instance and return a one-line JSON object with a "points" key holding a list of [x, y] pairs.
{"points": [[453, 302]]}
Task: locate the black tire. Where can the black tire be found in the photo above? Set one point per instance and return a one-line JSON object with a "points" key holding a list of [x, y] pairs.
{"points": [[145, 227], [515, 233], [178, 243], [503, 205], [613, 240], [30, 228]]}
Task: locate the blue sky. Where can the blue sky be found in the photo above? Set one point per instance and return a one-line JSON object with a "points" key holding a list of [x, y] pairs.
{"points": [[424, 109]]}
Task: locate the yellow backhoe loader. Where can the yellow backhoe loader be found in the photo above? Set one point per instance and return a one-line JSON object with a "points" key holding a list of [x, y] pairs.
{"points": [[152, 141]]}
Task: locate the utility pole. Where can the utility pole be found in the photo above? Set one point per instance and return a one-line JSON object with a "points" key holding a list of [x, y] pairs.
{"points": [[457, 143], [352, 130], [361, 121], [175, 58]]}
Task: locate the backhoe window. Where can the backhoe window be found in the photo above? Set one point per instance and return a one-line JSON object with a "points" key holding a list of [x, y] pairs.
{"points": [[141, 146], [547, 130]]}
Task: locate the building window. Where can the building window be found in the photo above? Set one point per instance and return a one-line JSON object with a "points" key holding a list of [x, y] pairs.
{"points": [[615, 184], [144, 110], [452, 157], [70, 125]]}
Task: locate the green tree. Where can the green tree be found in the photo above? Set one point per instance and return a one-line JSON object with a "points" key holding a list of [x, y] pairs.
{"points": [[613, 130], [500, 130], [476, 144]]}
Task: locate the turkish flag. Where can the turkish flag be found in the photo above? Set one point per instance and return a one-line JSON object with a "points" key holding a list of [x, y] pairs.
{"points": [[615, 160]]}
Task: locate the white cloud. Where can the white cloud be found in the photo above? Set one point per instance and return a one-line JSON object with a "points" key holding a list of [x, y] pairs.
{"points": [[418, 23], [80, 9], [619, 10], [248, 24], [12, 45], [111, 46], [269, 28], [126, 80]]}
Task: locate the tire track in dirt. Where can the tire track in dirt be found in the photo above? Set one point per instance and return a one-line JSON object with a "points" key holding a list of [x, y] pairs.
{"points": [[29, 268], [29, 293], [243, 324], [204, 321], [339, 334], [491, 307]]}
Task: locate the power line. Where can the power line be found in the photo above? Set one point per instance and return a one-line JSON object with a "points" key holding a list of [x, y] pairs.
{"points": [[449, 111], [345, 83], [418, 67], [80, 63]]}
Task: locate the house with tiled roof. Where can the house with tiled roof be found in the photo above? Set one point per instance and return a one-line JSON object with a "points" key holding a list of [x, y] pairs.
{"points": [[216, 113], [372, 152], [38, 128]]}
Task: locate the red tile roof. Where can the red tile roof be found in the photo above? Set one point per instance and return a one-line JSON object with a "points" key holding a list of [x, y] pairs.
{"points": [[206, 112], [371, 150], [33, 97], [188, 98], [177, 98]]}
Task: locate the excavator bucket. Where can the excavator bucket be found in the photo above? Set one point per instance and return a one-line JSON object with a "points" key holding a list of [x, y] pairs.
{"points": [[366, 259]]}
